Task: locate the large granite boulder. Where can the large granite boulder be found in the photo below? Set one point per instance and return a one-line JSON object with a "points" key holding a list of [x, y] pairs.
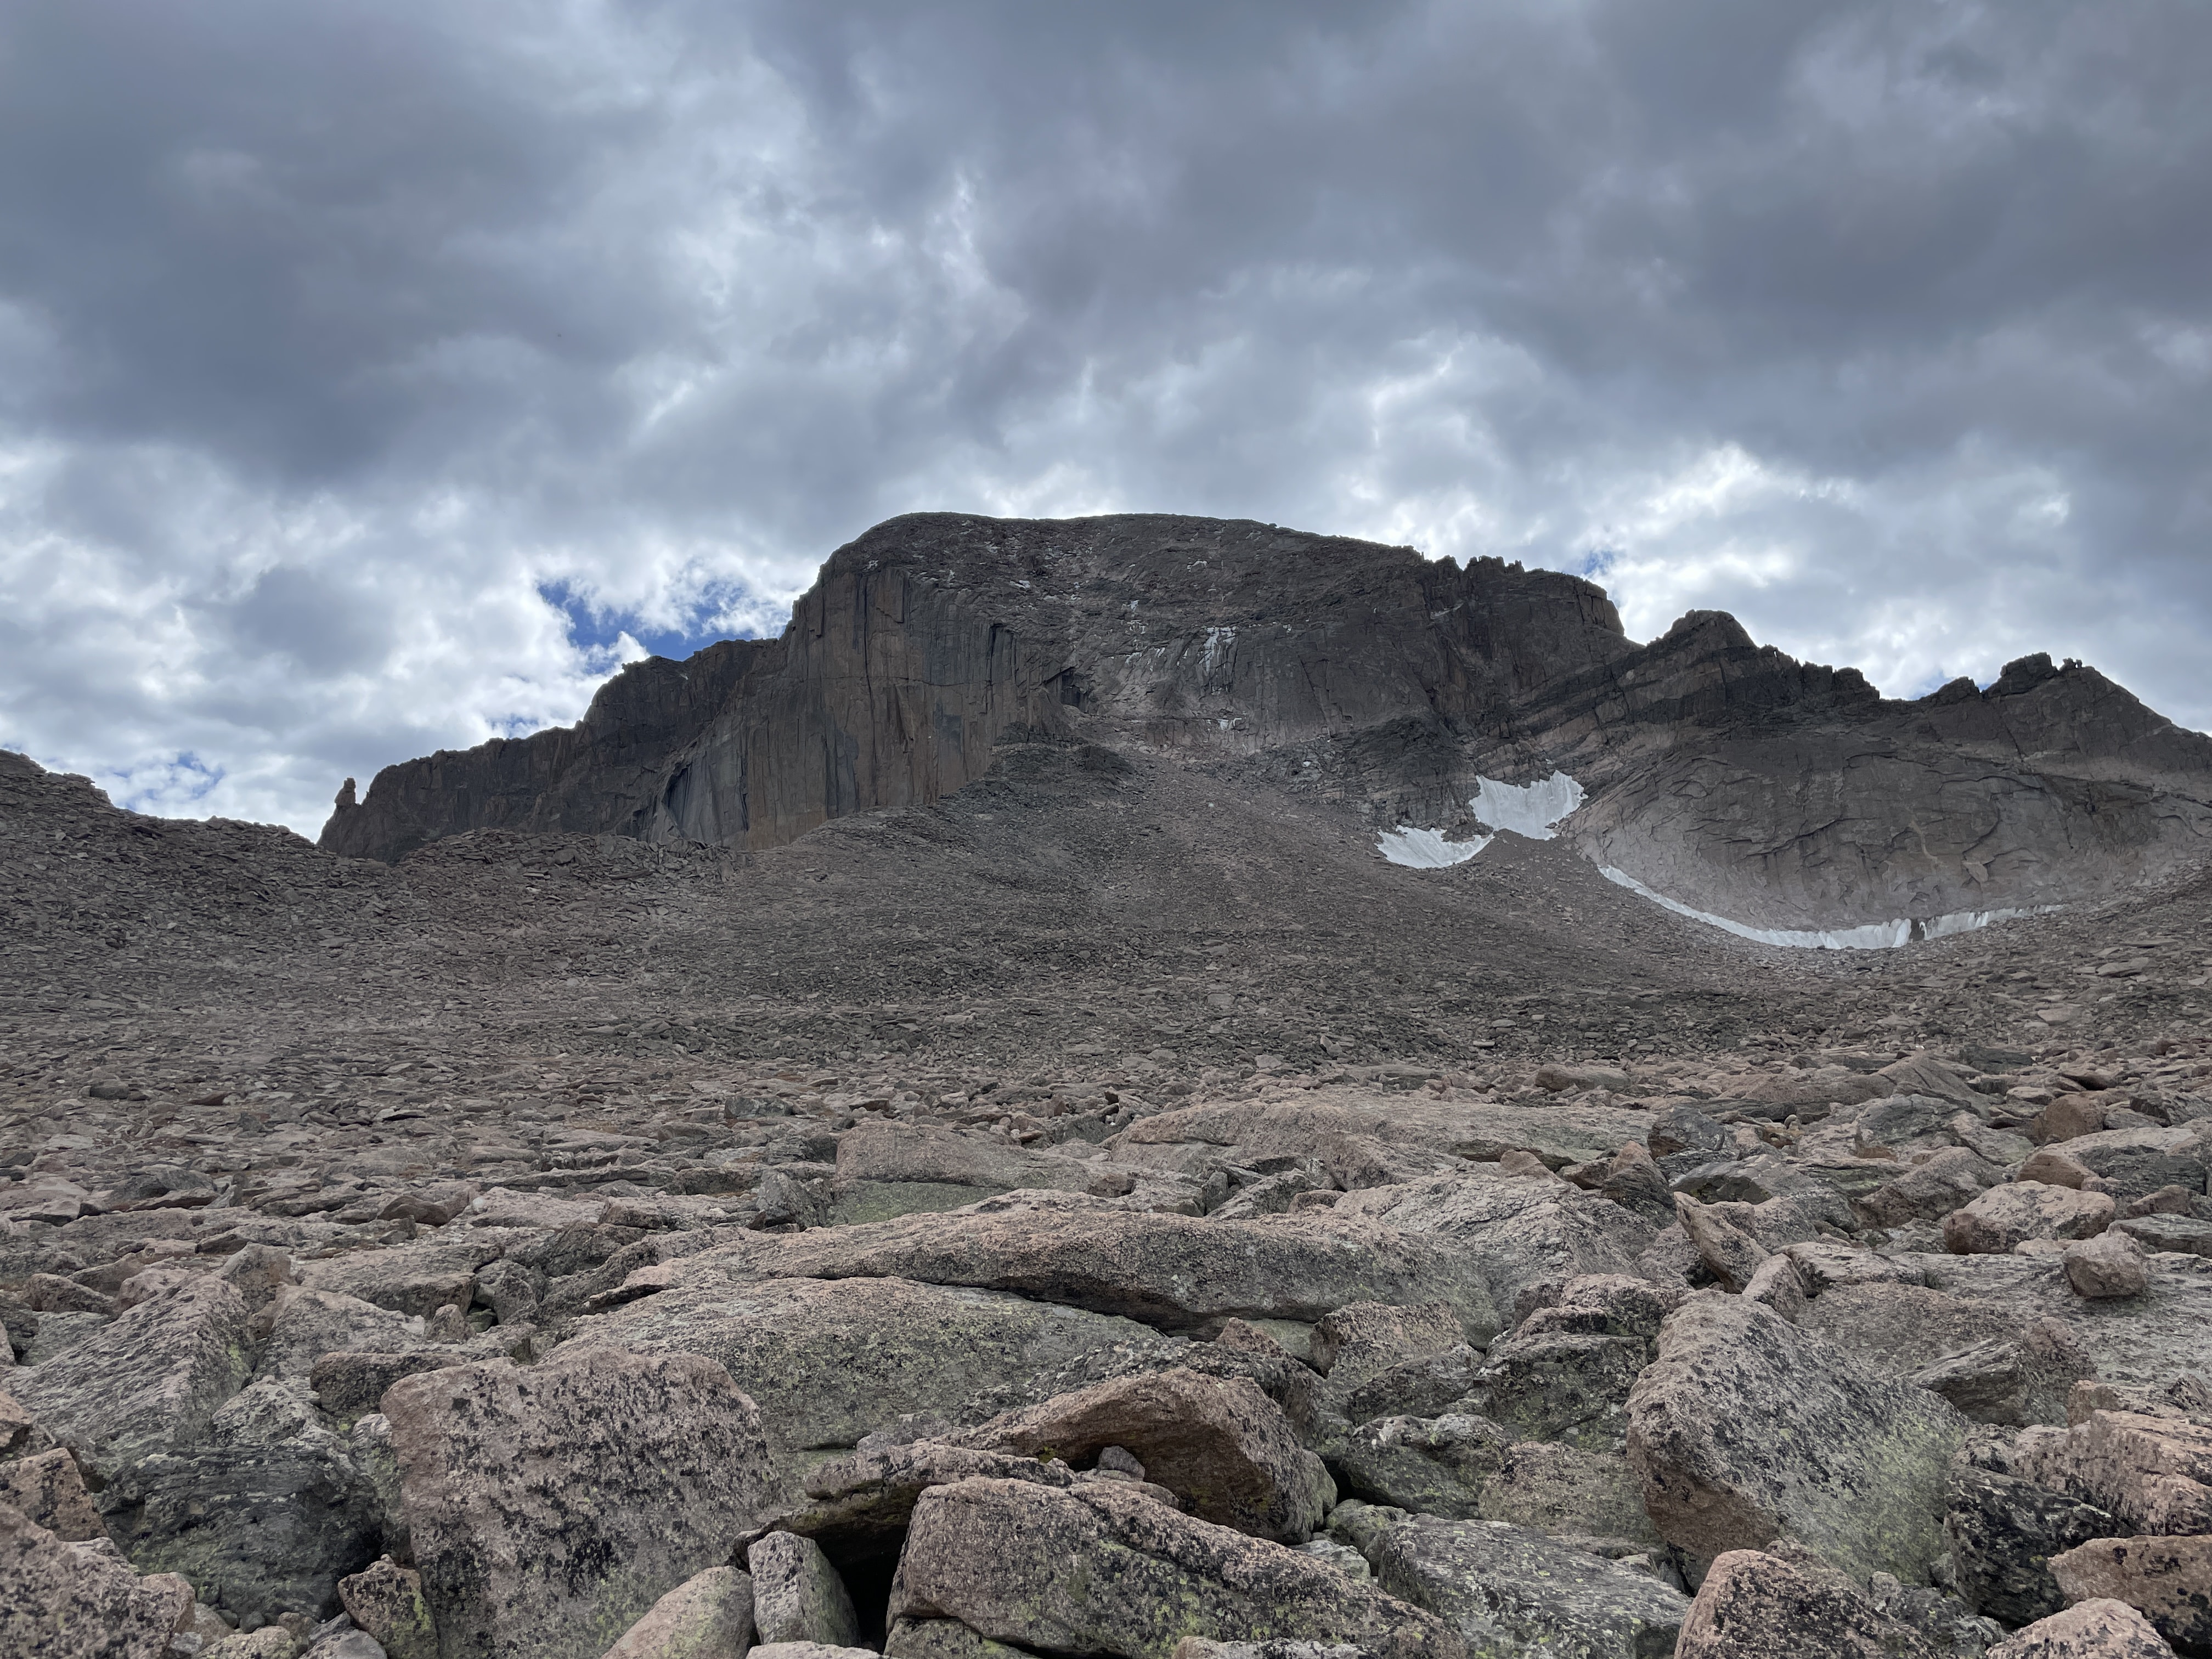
{"points": [[1219, 1445], [1745, 1428], [550, 1506], [1108, 1570]]}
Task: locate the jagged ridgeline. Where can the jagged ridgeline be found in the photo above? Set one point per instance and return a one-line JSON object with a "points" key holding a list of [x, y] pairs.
{"points": [[1721, 778]]}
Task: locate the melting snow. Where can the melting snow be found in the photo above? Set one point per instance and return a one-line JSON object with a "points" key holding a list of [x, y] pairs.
{"points": [[1873, 936], [1425, 849], [1527, 809]]}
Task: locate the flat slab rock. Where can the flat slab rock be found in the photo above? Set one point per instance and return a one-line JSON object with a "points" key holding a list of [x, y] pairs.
{"points": [[1480, 1130], [1172, 1272], [2145, 1340], [829, 1361]]}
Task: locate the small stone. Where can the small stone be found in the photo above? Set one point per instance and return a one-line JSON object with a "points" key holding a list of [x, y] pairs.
{"points": [[709, 1616], [797, 1596], [386, 1600]]}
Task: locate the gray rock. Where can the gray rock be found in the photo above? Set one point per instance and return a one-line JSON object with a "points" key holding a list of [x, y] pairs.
{"points": [[1416, 1388], [709, 1616], [827, 1361], [550, 1507], [1438, 1465], [1550, 1384], [1929, 1191], [413, 1278], [885, 1170], [2011, 1382], [797, 1596], [944, 1638], [1507, 1590], [1746, 1427], [2011, 1214], [2003, 1530], [1524, 1233], [860, 1506], [1731, 1255], [1352, 1344], [1108, 1570], [264, 1518], [48, 1490], [148, 1383], [386, 1601]]}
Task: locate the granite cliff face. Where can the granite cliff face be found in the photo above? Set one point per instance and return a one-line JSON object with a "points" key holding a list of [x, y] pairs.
{"points": [[1721, 775]]}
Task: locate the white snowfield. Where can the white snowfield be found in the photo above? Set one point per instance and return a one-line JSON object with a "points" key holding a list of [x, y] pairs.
{"points": [[1426, 849], [1870, 936], [1536, 809], [1527, 809]]}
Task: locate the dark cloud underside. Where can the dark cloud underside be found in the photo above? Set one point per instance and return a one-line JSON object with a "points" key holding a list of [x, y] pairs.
{"points": [[373, 378]]}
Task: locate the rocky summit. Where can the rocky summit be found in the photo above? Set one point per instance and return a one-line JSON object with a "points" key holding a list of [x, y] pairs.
{"points": [[1142, 1087]]}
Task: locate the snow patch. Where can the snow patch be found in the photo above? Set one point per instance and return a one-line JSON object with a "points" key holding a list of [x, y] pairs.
{"points": [[1426, 849], [1527, 809], [1872, 936]]}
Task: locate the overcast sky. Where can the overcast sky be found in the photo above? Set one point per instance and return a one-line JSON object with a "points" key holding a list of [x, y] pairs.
{"points": [[374, 377]]}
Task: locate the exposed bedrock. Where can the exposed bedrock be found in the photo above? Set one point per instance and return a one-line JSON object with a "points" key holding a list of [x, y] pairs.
{"points": [[1723, 775]]}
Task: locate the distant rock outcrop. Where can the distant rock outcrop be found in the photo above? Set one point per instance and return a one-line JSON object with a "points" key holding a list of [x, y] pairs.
{"points": [[1724, 776]]}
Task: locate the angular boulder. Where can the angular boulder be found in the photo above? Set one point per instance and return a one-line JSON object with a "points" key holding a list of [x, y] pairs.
{"points": [[2010, 1215], [550, 1506], [148, 1383], [828, 1362], [1108, 1570], [1506, 1590], [1219, 1445], [1753, 1606], [57, 1601], [859, 1506], [2167, 1580], [385, 1601], [265, 1516], [2150, 1473], [1746, 1427], [48, 1489], [2096, 1629], [797, 1596], [1522, 1234]]}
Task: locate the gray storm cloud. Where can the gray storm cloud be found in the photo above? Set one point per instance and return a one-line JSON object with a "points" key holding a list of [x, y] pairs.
{"points": [[374, 379]]}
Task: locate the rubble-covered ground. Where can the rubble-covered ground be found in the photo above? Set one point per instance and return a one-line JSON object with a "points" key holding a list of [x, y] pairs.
{"points": [[1110, 1212]]}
